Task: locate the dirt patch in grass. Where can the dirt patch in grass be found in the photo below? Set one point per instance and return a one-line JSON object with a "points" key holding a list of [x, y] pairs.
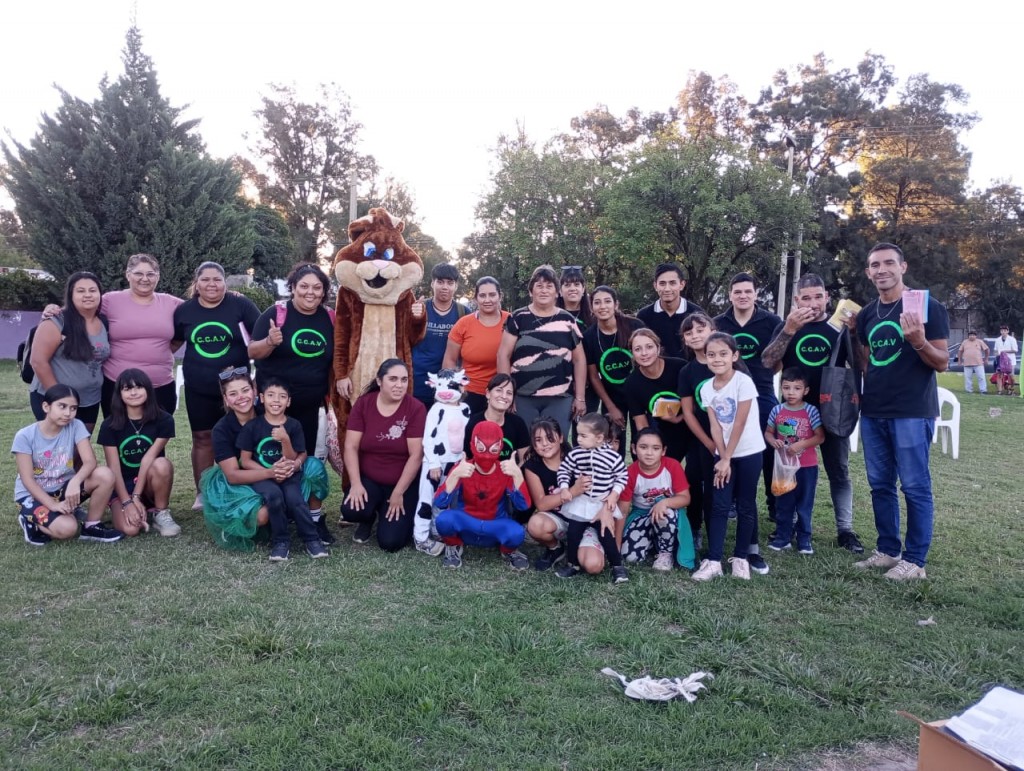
{"points": [[867, 757]]}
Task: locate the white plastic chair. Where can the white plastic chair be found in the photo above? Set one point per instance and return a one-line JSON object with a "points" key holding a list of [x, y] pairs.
{"points": [[949, 429], [855, 437]]}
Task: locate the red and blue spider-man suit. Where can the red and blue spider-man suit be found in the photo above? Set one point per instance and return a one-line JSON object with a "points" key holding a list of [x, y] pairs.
{"points": [[477, 511]]}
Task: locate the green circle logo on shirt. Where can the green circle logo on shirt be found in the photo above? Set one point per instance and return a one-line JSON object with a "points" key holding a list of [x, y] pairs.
{"points": [[507, 450], [696, 394], [886, 343], [211, 339], [308, 343], [813, 350], [747, 344], [661, 395], [615, 365], [133, 448], [268, 452]]}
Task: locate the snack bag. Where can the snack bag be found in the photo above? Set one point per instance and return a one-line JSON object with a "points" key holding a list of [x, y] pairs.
{"points": [[784, 475]]}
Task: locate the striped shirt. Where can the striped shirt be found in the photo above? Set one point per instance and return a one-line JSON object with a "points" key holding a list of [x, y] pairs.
{"points": [[542, 357], [602, 464]]}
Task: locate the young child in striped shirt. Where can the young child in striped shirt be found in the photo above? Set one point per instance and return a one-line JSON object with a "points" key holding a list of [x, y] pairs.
{"points": [[595, 509]]}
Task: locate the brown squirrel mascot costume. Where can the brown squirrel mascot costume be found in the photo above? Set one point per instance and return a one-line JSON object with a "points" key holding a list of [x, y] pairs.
{"points": [[378, 317]]}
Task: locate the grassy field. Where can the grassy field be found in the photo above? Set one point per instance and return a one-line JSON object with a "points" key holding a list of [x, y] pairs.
{"points": [[169, 653]]}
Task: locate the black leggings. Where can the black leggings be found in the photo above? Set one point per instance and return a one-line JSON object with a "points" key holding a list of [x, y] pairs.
{"points": [[607, 539], [392, 534]]}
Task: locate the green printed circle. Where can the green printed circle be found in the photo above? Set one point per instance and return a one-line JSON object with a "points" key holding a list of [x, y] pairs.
{"points": [[875, 344], [661, 395], [308, 343], [700, 387], [615, 365], [806, 349], [211, 339], [746, 350], [268, 452], [131, 457]]}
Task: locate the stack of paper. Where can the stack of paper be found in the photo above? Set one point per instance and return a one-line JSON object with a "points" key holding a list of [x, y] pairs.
{"points": [[916, 301], [995, 725]]}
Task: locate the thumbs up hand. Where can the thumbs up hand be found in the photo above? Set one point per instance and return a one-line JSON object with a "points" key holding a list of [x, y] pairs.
{"points": [[418, 308], [274, 337]]}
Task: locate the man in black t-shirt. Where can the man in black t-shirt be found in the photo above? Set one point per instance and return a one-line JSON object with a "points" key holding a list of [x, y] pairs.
{"points": [[666, 314], [806, 340], [900, 350]]}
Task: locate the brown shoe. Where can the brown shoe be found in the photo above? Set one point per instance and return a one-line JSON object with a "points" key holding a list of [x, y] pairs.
{"points": [[878, 560], [905, 571]]}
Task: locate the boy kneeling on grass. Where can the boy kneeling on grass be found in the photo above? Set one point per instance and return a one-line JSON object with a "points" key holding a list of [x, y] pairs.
{"points": [[48, 489], [794, 427]]}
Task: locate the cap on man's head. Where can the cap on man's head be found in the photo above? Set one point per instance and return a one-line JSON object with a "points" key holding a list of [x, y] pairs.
{"points": [[444, 271]]}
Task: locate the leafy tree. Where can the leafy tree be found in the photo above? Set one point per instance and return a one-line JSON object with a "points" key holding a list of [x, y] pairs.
{"points": [[273, 252], [713, 108], [99, 181], [308, 150]]}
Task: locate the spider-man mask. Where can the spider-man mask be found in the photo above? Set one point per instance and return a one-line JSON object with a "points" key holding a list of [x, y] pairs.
{"points": [[486, 442]]}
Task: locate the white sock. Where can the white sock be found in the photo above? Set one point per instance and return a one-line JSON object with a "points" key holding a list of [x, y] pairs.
{"points": [[315, 514]]}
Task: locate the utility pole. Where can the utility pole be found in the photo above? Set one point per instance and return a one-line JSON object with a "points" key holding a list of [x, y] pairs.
{"points": [[780, 299]]}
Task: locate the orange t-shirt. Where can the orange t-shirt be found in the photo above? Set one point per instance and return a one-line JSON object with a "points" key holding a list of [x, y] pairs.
{"points": [[479, 349]]}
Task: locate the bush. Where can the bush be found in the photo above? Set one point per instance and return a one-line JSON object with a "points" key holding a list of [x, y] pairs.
{"points": [[21, 291], [258, 295]]}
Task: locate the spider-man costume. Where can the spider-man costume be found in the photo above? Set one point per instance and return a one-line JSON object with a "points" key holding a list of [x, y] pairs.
{"points": [[477, 511]]}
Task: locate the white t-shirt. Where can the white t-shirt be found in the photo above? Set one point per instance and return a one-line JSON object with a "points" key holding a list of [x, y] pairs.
{"points": [[53, 460], [725, 404], [1007, 346]]}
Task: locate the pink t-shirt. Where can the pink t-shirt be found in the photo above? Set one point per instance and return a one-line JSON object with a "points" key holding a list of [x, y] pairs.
{"points": [[140, 335]]}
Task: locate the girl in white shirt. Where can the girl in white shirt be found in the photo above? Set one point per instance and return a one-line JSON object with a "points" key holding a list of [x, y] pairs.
{"points": [[731, 401]]}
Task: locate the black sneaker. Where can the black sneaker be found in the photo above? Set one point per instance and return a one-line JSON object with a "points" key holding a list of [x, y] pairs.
{"points": [[452, 557], [316, 550], [279, 552], [326, 537], [363, 532], [33, 535], [849, 541], [549, 558], [100, 534], [517, 560], [568, 570], [619, 575], [757, 564]]}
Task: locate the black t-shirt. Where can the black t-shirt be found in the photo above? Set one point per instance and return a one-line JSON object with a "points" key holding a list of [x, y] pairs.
{"points": [[691, 378], [667, 327], [305, 358], [255, 437], [751, 339], [548, 478], [132, 444], [225, 434], [810, 350], [516, 434], [898, 384], [613, 362], [641, 394], [213, 339]]}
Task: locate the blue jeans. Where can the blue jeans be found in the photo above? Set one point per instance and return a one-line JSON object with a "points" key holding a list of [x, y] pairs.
{"points": [[742, 486], [835, 457], [800, 502], [899, 447]]}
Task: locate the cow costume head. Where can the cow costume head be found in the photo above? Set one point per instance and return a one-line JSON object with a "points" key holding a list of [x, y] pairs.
{"points": [[448, 385]]}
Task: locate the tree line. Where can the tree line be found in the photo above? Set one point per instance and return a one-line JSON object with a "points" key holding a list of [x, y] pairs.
{"points": [[824, 162]]}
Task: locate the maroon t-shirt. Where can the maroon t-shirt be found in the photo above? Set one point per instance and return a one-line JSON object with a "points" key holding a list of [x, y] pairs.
{"points": [[383, 450]]}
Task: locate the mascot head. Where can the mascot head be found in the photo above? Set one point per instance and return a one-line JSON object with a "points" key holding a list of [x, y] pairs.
{"points": [[447, 385], [486, 441], [378, 265]]}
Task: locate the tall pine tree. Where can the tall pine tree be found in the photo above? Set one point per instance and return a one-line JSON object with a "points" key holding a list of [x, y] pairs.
{"points": [[124, 174]]}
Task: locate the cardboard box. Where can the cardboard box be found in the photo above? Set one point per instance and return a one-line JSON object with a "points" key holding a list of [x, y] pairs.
{"points": [[941, 751]]}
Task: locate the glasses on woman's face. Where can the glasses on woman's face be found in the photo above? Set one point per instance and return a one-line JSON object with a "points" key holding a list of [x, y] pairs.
{"points": [[149, 275], [235, 372]]}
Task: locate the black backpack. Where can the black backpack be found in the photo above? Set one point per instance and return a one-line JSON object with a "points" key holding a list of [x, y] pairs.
{"points": [[25, 352]]}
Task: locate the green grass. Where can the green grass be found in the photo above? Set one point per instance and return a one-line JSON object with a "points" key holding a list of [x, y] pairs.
{"points": [[169, 653]]}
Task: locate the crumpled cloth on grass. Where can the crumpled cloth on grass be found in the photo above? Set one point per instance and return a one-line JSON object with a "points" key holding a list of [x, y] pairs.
{"points": [[661, 689]]}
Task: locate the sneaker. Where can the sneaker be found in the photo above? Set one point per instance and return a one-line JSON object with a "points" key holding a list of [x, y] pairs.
{"points": [[848, 540], [362, 532], [777, 544], [100, 534], [197, 504], [316, 550], [877, 560], [757, 564], [740, 567], [663, 561], [430, 546], [549, 558], [33, 535], [279, 552], [619, 575], [325, 535], [568, 570], [805, 548], [708, 569], [517, 560], [165, 524], [905, 571], [452, 557]]}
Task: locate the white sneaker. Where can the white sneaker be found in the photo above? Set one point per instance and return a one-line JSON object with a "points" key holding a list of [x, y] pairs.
{"points": [[197, 505], [165, 524], [905, 571], [878, 560], [740, 568], [663, 561], [708, 569], [430, 546]]}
